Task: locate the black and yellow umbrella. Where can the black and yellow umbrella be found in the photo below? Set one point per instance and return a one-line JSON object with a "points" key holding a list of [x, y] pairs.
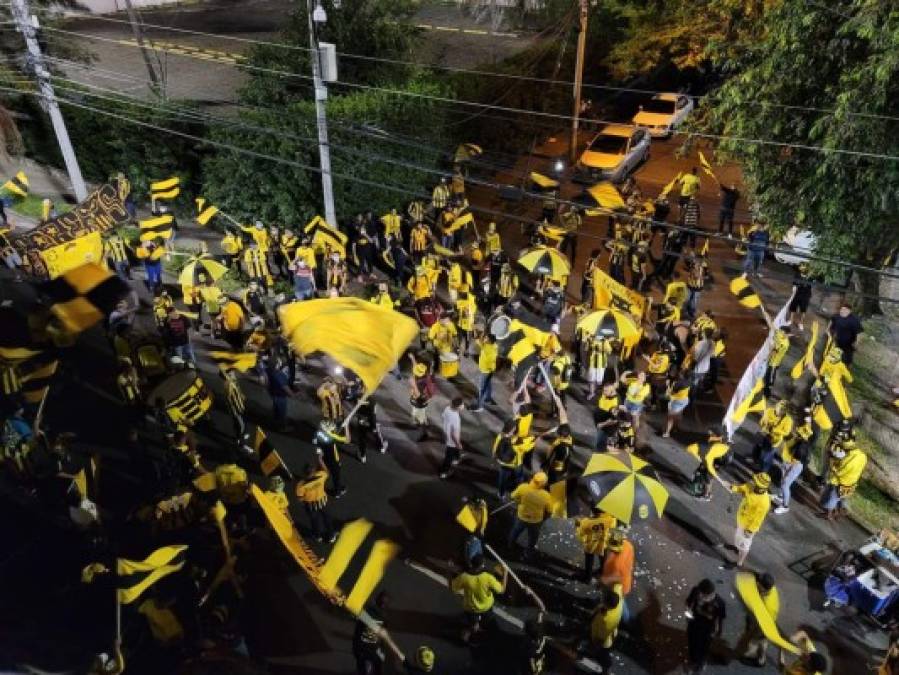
{"points": [[466, 152], [546, 261], [622, 485], [201, 264], [609, 323]]}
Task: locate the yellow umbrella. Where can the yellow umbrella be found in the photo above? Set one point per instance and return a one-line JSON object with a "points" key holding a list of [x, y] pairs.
{"points": [[201, 264], [622, 486], [610, 323], [546, 261]]}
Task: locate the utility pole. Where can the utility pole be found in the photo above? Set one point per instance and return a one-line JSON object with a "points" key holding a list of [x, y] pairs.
{"points": [[27, 24], [578, 80], [317, 15], [138, 29]]}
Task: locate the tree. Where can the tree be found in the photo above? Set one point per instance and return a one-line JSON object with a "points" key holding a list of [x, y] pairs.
{"points": [[363, 157], [837, 64]]}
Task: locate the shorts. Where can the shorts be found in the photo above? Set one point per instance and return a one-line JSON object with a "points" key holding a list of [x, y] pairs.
{"points": [[800, 303], [677, 406], [596, 375], [419, 415], [743, 539], [633, 408]]}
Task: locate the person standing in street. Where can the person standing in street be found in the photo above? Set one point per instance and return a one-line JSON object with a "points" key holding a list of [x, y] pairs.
{"points": [[757, 240], [280, 389], [176, 332], [534, 507], [327, 441], [845, 328], [705, 621], [689, 187], [487, 366], [311, 492], [730, 195], [604, 624], [594, 533], [477, 587], [452, 436], [753, 509], [618, 567], [802, 295]]}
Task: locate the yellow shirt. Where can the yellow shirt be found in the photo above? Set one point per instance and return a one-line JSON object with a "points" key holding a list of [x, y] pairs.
{"points": [[232, 316], [689, 185], [524, 425], [779, 349], [383, 300], [306, 253], [487, 357], [391, 224], [466, 308], [534, 504], [604, 626], [777, 428], [443, 336], [477, 590], [593, 533], [659, 363], [753, 507], [847, 471], [637, 393], [420, 287], [838, 370], [494, 243]]}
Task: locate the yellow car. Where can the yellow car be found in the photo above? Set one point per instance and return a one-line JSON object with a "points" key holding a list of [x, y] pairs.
{"points": [[615, 152]]}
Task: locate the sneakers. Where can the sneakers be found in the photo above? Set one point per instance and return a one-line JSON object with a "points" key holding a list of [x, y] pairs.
{"points": [[363, 459], [476, 410], [781, 509]]}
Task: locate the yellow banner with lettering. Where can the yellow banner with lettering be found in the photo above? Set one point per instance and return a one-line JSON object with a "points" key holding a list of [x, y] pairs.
{"points": [[66, 257], [609, 293]]}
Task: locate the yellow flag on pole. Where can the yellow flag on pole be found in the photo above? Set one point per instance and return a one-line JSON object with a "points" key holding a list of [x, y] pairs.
{"points": [[136, 576], [363, 337], [753, 403], [809, 357], [749, 592], [670, 186], [706, 166], [746, 296], [606, 195]]}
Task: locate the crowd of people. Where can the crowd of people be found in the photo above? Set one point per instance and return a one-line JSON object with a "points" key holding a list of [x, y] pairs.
{"points": [[462, 286]]}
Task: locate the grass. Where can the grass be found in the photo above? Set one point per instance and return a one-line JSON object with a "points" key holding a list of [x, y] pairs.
{"points": [[33, 207], [874, 509]]}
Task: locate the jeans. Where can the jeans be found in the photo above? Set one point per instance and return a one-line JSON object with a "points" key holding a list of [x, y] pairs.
{"points": [[185, 352], [303, 291], [831, 498], [753, 261], [485, 389], [764, 454], [792, 472], [154, 274], [319, 522], [692, 301], [726, 217], [508, 479], [532, 530]]}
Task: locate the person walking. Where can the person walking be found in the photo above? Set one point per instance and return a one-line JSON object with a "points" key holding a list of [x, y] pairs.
{"points": [[365, 425], [605, 416], [508, 453], [593, 533], [776, 424], [712, 455], [705, 620], [730, 195], [422, 389], [534, 507], [794, 458], [327, 442], [757, 240], [487, 367], [780, 345], [847, 464], [312, 494], [689, 187], [176, 333], [618, 567], [751, 514], [604, 624], [452, 436], [845, 328], [478, 588], [279, 389], [802, 295]]}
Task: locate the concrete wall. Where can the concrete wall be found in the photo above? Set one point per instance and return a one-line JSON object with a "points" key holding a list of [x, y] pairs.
{"points": [[108, 6]]}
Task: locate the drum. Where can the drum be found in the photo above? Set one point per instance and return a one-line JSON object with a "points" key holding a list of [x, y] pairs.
{"points": [[185, 397], [449, 365]]}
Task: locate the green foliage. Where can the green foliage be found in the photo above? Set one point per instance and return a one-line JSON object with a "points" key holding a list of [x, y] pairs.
{"points": [[839, 66], [250, 187], [377, 29], [33, 206]]}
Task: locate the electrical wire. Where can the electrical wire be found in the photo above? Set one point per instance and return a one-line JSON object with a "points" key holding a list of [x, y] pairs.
{"points": [[547, 115], [206, 118], [487, 73]]}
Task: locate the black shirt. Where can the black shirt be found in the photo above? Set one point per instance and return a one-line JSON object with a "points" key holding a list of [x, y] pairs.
{"points": [[845, 330], [729, 198], [707, 616]]}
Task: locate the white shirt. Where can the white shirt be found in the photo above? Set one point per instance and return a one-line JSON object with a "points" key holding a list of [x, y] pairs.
{"points": [[452, 428], [703, 352]]}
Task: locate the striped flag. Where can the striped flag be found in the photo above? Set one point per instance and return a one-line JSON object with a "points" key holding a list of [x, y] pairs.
{"points": [[160, 227], [84, 296], [18, 185], [809, 357], [830, 404], [205, 212], [165, 189], [136, 576], [747, 297], [270, 461], [16, 339], [241, 361], [35, 383], [753, 403], [706, 166]]}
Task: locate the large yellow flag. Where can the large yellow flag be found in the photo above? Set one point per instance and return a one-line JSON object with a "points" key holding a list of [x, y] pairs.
{"points": [[832, 405], [136, 576], [606, 195], [809, 357], [753, 403], [670, 186], [363, 337], [749, 592]]}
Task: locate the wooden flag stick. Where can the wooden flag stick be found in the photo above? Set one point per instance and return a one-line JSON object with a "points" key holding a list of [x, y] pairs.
{"points": [[524, 587]]}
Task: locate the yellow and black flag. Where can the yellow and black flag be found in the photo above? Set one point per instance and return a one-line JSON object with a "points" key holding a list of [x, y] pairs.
{"points": [[830, 404], [460, 222], [205, 212], [17, 185], [706, 166], [670, 186], [35, 379], [809, 357], [136, 576], [270, 460], [753, 403], [323, 235], [158, 227], [519, 348], [165, 189], [747, 297], [16, 337], [85, 295], [241, 361], [351, 545]]}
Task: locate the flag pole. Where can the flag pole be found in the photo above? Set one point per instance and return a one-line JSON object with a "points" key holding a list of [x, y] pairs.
{"points": [[353, 411], [379, 630], [524, 587], [118, 616]]}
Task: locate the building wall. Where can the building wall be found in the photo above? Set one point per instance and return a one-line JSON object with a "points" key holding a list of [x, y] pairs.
{"points": [[108, 6]]}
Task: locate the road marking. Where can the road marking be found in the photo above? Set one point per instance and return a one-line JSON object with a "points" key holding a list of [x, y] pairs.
{"points": [[586, 663], [467, 31], [201, 53]]}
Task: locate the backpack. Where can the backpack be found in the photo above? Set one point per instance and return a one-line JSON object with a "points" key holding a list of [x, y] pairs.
{"points": [[471, 548]]}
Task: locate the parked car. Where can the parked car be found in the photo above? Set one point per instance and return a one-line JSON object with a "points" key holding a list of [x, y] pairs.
{"points": [[663, 113], [795, 247], [613, 154]]}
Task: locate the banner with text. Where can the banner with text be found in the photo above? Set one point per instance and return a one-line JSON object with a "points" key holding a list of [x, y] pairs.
{"points": [[753, 372], [609, 293]]}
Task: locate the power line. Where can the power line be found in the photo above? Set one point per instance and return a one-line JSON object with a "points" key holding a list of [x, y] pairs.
{"points": [[206, 118], [547, 115], [363, 181], [487, 73]]}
